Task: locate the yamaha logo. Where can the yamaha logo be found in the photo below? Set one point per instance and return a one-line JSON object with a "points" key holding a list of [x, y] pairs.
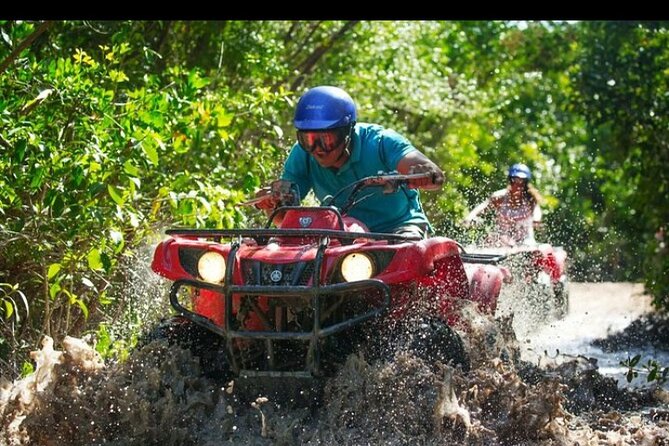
{"points": [[305, 222], [276, 275]]}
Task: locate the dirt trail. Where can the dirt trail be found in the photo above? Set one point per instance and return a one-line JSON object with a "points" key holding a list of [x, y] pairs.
{"points": [[597, 310], [607, 306]]}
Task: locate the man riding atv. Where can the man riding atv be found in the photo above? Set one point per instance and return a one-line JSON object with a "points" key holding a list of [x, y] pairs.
{"points": [[333, 151], [290, 302]]}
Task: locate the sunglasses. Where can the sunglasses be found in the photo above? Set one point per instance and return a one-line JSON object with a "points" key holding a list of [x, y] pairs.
{"points": [[327, 140], [517, 180]]}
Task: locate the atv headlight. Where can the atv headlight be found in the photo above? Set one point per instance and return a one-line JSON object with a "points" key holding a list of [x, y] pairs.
{"points": [[357, 266], [211, 267]]}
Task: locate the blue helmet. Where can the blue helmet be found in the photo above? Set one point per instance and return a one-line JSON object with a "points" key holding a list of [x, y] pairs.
{"points": [[520, 170], [324, 108]]}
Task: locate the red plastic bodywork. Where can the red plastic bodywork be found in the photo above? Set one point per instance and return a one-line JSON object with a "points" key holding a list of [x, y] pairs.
{"points": [[539, 258], [551, 260]]}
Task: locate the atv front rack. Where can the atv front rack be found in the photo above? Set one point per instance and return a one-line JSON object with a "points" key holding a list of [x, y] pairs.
{"points": [[262, 235], [316, 292]]}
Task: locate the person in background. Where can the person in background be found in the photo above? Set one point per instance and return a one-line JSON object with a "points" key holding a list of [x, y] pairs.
{"points": [[516, 208], [333, 150]]}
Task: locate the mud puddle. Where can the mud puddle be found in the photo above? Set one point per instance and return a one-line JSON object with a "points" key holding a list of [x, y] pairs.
{"points": [[158, 396], [599, 312]]}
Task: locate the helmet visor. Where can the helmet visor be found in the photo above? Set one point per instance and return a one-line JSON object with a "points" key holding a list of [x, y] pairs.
{"points": [[517, 179], [327, 140]]}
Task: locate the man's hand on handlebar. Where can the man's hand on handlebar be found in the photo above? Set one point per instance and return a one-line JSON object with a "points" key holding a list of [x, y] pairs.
{"points": [[267, 200], [432, 180]]}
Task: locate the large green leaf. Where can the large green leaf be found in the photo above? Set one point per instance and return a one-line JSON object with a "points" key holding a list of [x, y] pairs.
{"points": [[95, 259]]}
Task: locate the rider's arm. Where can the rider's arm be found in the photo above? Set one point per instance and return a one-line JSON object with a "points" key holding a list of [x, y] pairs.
{"points": [[397, 153], [473, 215], [537, 216], [416, 162]]}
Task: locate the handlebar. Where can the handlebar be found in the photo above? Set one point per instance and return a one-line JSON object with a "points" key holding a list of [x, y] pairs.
{"points": [[287, 193], [389, 181]]}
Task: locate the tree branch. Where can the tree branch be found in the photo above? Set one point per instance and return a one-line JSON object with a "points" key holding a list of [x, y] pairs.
{"points": [[305, 41], [23, 45], [311, 61]]}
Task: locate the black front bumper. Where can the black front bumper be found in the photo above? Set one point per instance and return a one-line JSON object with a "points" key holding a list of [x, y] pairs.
{"points": [[315, 293]]}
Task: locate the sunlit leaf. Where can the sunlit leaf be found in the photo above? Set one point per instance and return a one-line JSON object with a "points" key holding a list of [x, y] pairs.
{"points": [[54, 290], [196, 81], [103, 340], [130, 169], [9, 308], [84, 309], [27, 368], [94, 259], [117, 76], [149, 148], [223, 119], [53, 270], [6, 38], [115, 194]]}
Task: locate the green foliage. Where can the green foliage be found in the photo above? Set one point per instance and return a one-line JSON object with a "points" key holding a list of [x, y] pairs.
{"points": [[27, 369], [13, 303], [96, 156], [110, 348], [622, 83], [652, 369]]}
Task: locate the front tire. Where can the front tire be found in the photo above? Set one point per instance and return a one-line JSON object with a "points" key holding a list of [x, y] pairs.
{"points": [[207, 346], [434, 340]]}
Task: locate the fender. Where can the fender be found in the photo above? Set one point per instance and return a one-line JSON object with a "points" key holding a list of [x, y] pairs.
{"points": [[485, 283], [551, 260]]}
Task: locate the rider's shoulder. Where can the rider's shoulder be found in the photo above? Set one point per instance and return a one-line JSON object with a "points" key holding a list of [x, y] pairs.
{"points": [[366, 129], [499, 194]]}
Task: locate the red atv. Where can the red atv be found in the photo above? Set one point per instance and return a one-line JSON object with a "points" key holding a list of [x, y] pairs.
{"points": [[295, 300]]}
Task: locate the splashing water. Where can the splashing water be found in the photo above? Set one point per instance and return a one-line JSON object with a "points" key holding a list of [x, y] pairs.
{"points": [[159, 396], [143, 297]]}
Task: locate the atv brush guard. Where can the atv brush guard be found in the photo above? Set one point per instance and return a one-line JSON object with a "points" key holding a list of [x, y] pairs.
{"points": [[316, 291]]}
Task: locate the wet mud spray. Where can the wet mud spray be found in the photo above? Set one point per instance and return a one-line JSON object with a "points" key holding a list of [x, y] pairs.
{"points": [[159, 396]]}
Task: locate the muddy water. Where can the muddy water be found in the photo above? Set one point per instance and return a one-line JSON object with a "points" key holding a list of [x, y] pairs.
{"points": [[596, 311], [158, 396]]}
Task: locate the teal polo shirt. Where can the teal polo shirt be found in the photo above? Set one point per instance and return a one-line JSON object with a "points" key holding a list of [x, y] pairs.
{"points": [[373, 149]]}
